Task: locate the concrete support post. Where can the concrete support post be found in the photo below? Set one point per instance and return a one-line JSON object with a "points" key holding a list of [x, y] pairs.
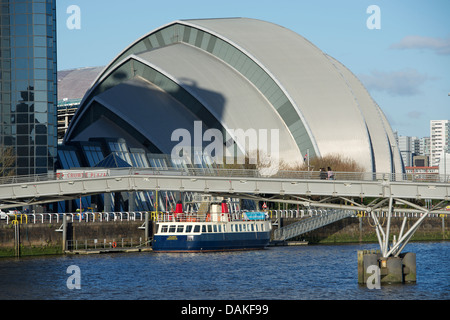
{"points": [[132, 201], [17, 238], [443, 227], [64, 235], [393, 272], [146, 238], [107, 202], [369, 259], [409, 267], [400, 269]]}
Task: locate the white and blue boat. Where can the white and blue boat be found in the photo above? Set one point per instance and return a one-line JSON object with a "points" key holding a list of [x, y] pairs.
{"points": [[217, 230]]}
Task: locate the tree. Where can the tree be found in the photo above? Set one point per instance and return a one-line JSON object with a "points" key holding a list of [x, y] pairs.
{"points": [[337, 162], [7, 161]]}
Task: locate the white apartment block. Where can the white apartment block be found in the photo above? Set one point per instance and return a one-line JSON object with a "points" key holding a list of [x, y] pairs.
{"points": [[439, 140]]}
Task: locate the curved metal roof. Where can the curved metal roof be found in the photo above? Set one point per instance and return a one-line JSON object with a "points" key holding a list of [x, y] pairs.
{"points": [[247, 73], [225, 93], [73, 84]]}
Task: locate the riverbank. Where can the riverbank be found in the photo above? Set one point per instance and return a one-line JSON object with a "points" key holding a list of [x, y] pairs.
{"points": [[361, 230], [44, 239]]}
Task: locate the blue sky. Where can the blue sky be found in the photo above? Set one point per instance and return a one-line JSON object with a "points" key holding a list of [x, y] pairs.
{"points": [[405, 65]]}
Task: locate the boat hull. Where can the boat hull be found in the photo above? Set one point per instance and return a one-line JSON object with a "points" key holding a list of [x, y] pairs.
{"points": [[211, 242]]}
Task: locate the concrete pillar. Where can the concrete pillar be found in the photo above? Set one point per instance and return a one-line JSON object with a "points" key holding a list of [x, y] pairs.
{"points": [[392, 269], [107, 202], [132, 201], [64, 237], [393, 272], [369, 259], [409, 266], [147, 227], [443, 227]]}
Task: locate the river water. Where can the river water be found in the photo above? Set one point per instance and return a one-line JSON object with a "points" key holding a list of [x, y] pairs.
{"points": [[313, 272]]}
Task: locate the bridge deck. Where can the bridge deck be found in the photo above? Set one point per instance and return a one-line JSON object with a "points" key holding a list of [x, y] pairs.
{"points": [[15, 191]]}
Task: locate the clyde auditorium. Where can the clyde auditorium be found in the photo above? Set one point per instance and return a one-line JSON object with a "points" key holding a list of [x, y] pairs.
{"points": [[228, 74]]}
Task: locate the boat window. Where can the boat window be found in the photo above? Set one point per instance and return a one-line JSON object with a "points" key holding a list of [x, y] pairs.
{"points": [[209, 228], [220, 228], [256, 227], [252, 227], [197, 228], [171, 228], [188, 228], [215, 228], [244, 227], [203, 228], [240, 227], [164, 228], [180, 228], [262, 227]]}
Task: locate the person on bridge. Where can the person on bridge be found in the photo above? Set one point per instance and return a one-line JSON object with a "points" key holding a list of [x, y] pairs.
{"points": [[323, 174], [330, 174]]}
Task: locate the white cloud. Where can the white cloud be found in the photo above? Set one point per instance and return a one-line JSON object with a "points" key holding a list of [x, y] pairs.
{"points": [[397, 83], [438, 45]]}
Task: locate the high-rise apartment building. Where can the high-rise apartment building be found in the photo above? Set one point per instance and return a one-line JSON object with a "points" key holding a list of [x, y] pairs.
{"points": [[410, 147], [28, 83], [404, 145], [424, 146], [439, 140]]}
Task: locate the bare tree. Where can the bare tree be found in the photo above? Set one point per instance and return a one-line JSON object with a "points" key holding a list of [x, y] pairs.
{"points": [[7, 161]]}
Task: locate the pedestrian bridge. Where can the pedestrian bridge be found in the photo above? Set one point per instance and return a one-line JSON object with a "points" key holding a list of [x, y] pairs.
{"points": [[386, 193], [68, 184]]}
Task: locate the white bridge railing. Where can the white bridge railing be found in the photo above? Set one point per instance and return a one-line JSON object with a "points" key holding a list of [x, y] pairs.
{"points": [[87, 173], [27, 218]]}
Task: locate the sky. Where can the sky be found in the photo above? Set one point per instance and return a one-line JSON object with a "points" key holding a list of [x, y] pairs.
{"points": [[401, 52]]}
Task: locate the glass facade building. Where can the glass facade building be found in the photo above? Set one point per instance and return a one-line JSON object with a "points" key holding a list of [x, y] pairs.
{"points": [[28, 77]]}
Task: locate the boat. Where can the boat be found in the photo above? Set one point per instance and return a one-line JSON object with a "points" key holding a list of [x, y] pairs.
{"points": [[217, 230]]}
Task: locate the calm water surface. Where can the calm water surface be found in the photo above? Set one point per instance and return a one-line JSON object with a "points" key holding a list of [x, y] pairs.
{"points": [[305, 272]]}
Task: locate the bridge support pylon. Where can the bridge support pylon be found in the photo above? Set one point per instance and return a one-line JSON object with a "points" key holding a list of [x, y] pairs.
{"points": [[373, 269], [389, 264]]}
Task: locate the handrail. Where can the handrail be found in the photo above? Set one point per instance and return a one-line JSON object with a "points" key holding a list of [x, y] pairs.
{"points": [[87, 173], [205, 217]]}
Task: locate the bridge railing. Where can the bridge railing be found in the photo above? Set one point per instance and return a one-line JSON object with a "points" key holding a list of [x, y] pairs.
{"points": [[36, 218], [96, 244], [91, 173]]}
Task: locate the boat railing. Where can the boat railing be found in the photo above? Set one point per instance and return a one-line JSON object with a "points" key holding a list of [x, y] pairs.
{"points": [[206, 217]]}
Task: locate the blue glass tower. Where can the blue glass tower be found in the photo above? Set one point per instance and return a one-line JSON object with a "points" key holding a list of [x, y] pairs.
{"points": [[28, 75]]}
